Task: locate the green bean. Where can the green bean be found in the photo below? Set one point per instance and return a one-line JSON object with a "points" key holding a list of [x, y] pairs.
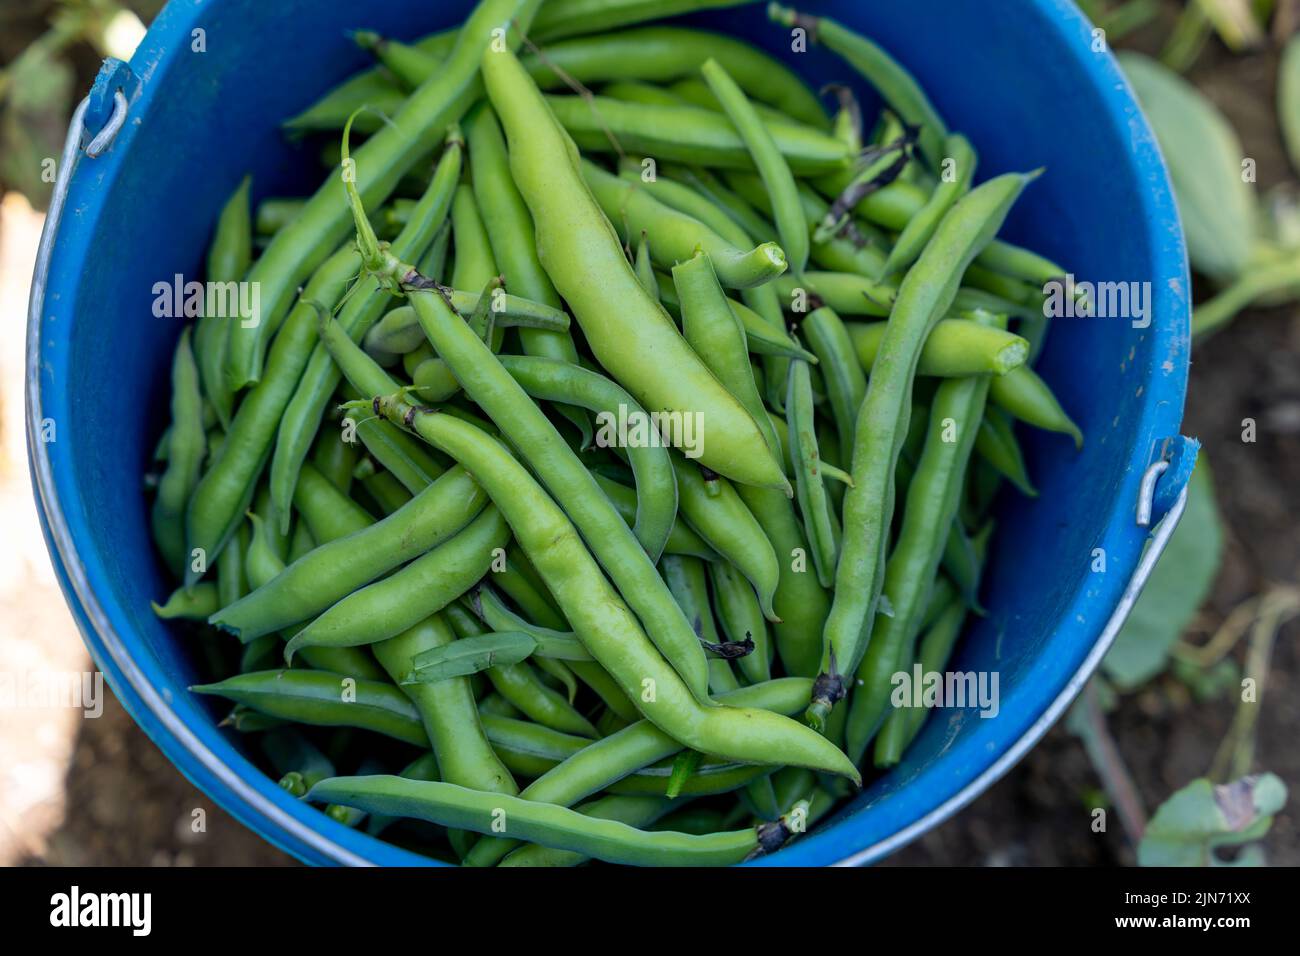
{"points": [[510, 231], [955, 348], [393, 336], [264, 560], [232, 582], [687, 134], [715, 332], [324, 700], [335, 457], [820, 522], [424, 767], [996, 444], [894, 83], [689, 586], [1028, 398], [552, 826], [728, 527], [338, 568], [856, 249], [228, 259], [633, 811], [847, 294], [474, 264], [274, 214], [518, 684], [787, 209], [662, 53], [928, 515], [681, 539], [386, 156], [761, 336], [566, 18], [406, 459], [648, 94], [645, 270], [694, 90], [370, 88], [191, 604], [319, 377], [445, 711], [902, 725], [742, 619], [224, 492], [842, 374], [385, 490], [610, 759], [549, 642], [403, 599], [603, 622], [742, 213], [656, 486], [328, 512], [961, 565], [529, 749], [521, 584], [674, 236], [925, 295], [186, 449], [957, 175], [622, 555], [586, 261], [800, 601]]}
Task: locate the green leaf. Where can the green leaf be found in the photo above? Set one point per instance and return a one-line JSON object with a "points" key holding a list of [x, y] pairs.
{"points": [[1178, 585], [1205, 164], [470, 655], [1192, 823], [1288, 99]]}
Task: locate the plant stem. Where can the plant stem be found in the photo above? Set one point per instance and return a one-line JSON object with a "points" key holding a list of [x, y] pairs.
{"points": [[1221, 309]]}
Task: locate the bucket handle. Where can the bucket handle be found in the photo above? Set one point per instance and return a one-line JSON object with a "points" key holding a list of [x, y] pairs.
{"points": [[59, 195]]}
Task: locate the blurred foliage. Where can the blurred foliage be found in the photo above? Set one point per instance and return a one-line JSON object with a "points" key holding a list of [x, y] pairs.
{"points": [[38, 86], [1201, 819]]}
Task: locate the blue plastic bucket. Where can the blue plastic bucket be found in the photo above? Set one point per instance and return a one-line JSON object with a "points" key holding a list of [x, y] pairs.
{"points": [[1023, 78]]}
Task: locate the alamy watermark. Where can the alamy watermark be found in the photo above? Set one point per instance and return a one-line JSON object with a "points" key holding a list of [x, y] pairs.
{"points": [[1067, 299], [634, 428], [958, 689], [225, 300], [34, 690]]}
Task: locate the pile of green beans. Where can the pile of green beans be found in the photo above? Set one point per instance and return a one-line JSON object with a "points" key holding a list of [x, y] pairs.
{"points": [[619, 423]]}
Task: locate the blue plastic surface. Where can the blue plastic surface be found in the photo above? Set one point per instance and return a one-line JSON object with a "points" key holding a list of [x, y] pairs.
{"points": [[1020, 77]]}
